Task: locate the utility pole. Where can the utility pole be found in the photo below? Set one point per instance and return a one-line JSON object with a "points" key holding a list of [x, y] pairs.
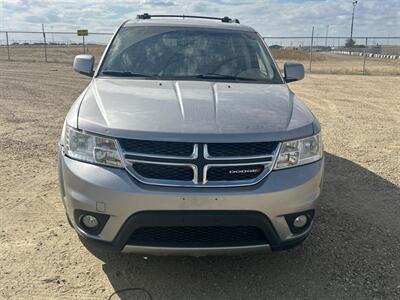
{"points": [[44, 43], [326, 36], [352, 20], [8, 46], [311, 46], [365, 55]]}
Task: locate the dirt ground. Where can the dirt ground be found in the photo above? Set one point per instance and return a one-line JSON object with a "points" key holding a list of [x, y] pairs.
{"points": [[352, 253]]}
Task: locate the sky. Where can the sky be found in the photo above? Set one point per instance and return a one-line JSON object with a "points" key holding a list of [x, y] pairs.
{"points": [[269, 17]]}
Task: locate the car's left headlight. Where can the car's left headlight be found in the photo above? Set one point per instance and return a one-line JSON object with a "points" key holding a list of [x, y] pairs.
{"points": [[299, 152], [91, 148]]}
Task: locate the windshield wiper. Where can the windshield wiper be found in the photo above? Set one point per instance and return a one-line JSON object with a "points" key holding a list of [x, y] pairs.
{"points": [[201, 76], [222, 76], [126, 74]]}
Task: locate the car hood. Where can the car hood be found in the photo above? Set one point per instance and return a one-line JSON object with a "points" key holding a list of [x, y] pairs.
{"points": [[199, 111]]}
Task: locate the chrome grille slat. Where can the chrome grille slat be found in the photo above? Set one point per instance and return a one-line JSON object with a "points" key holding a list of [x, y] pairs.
{"points": [[199, 160]]}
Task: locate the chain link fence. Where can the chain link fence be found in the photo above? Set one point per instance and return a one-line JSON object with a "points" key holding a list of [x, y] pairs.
{"points": [[337, 55], [330, 55], [58, 47]]}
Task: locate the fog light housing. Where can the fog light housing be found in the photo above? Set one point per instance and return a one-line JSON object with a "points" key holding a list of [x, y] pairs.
{"points": [[90, 221], [300, 221]]}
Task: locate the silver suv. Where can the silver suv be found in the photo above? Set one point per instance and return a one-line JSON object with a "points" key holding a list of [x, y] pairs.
{"points": [[188, 141]]}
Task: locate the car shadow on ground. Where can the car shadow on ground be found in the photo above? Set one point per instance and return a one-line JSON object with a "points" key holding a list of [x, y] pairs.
{"points": [[356, 217]]}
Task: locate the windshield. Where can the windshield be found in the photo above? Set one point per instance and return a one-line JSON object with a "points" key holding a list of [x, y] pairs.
{"points": [[192, 53]]}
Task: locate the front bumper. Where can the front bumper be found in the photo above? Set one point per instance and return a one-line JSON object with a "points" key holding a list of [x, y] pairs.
{"points": [[115, 193]]}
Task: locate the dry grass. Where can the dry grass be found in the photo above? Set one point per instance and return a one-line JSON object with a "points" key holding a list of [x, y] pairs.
{"points": [[55, 53], [296, 55], [345, 64]]}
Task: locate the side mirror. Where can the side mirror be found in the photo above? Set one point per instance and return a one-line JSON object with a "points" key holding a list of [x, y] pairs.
{"points": [[293, 72], [83, 64]]}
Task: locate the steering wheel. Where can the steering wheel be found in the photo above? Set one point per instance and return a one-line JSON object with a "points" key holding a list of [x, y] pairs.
{"points": [[255, 73], [219, 66], [174, 59]]}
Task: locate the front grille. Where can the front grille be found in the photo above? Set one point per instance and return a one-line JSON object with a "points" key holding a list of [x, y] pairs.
{"points": [[234, 173], [157, 148], [198, 236], [191, 164], [164, 172], [241, 149]]}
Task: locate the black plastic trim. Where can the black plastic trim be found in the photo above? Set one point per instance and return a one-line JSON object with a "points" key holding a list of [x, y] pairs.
{"points": [[147, 16], [197, 236], [192, 218]]}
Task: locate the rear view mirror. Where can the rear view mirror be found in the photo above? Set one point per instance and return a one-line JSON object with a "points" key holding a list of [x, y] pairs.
{"points": [[83, 64], [293, 72]]}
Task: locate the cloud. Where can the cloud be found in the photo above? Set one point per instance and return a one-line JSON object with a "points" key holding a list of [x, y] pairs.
{"points": [[159, 3], [269, 17], [202, 7]]}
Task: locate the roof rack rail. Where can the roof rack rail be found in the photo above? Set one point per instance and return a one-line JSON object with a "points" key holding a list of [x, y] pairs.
{"points": [[146, 16]]}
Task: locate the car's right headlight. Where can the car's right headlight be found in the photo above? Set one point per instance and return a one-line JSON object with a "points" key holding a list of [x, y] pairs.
{"points": [[299, 152], [91, 148]]}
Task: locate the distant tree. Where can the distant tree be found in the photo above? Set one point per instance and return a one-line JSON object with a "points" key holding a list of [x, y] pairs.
{"points": [[350, 43]]}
